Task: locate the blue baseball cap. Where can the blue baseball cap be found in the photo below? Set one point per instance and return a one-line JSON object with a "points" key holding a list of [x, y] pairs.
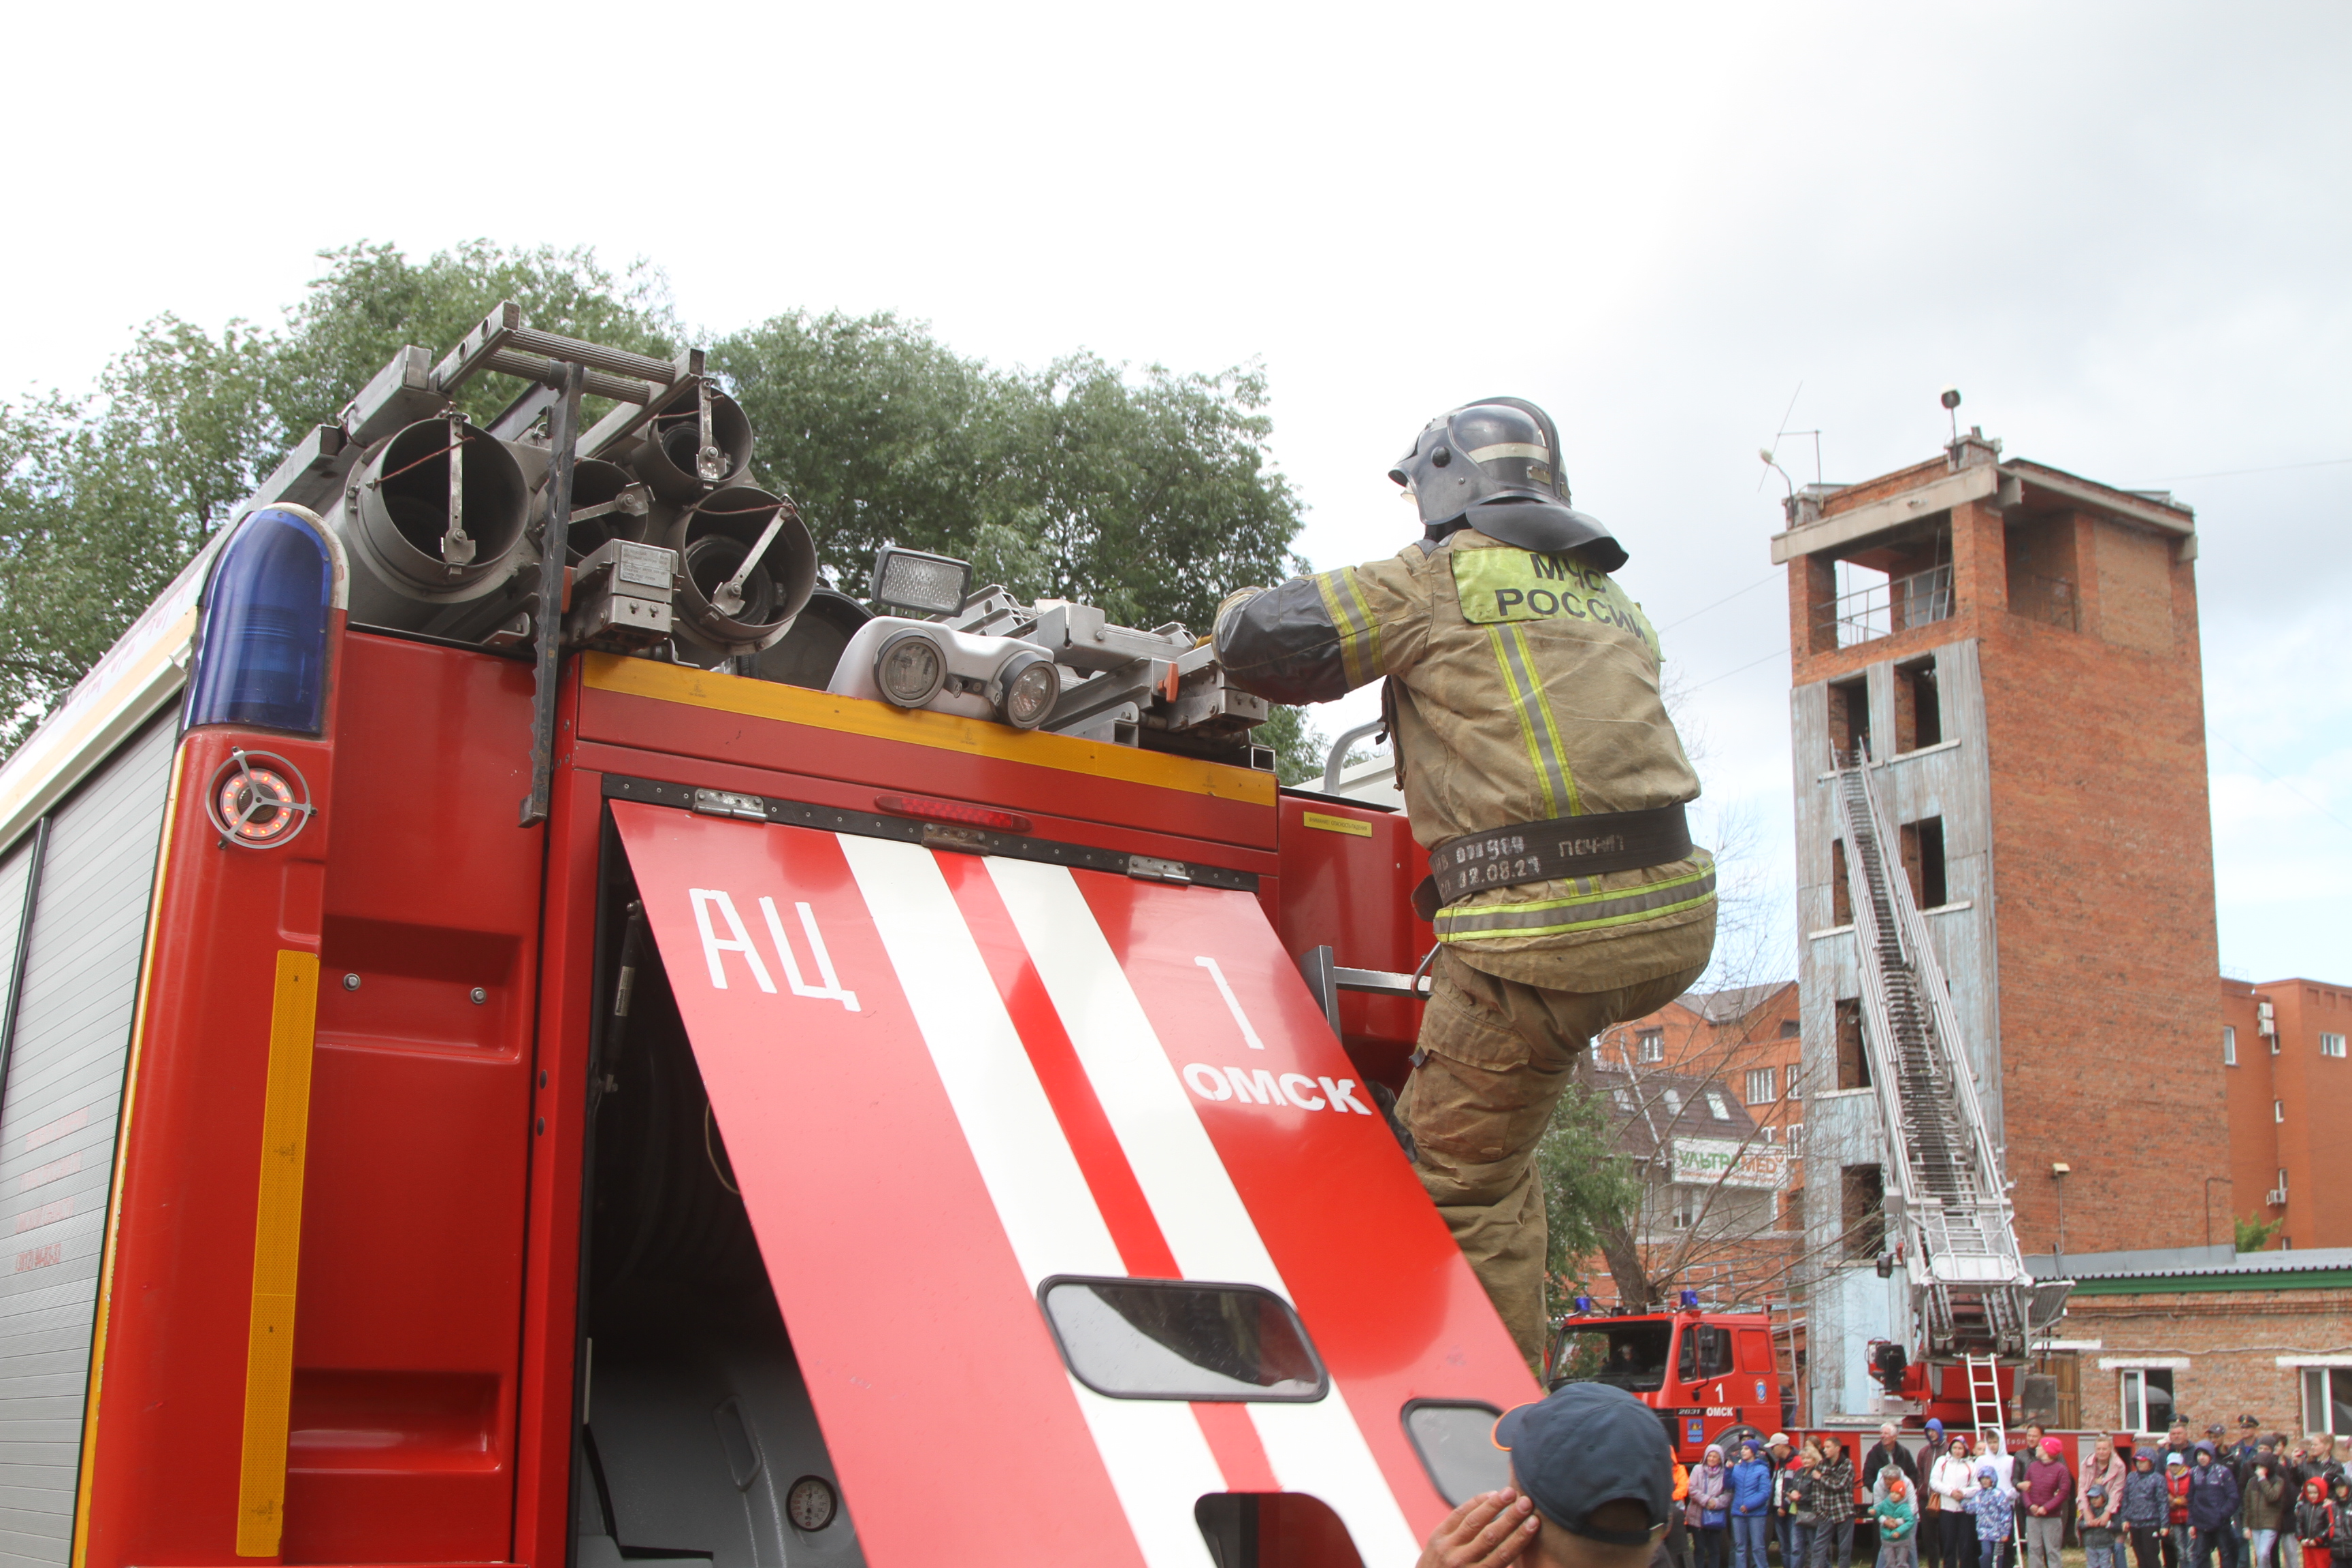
{"points": [[1586, 1446]]}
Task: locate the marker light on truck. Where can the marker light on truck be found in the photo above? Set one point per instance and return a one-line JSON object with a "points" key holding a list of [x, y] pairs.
{"points": [[1027, 699], [258, 806], [261, 656], [910, 670], [955, 811]]}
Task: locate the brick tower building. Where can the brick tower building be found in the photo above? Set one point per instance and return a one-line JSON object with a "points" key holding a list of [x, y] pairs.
{"points": [[2018, 650]]}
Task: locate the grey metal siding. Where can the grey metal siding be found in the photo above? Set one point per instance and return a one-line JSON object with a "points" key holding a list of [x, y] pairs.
{"points": [[58, 1109]]}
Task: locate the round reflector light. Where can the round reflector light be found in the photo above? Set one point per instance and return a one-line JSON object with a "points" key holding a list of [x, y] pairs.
{"points": [[910, 670], [1029, 697], [257, 800]]}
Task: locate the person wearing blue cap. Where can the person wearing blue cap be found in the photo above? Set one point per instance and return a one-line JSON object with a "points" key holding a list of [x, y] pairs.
{"points": [[1592, 1485]]}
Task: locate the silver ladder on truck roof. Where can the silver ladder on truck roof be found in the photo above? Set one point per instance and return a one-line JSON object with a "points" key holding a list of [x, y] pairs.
{"points": [[1955, 1238]]}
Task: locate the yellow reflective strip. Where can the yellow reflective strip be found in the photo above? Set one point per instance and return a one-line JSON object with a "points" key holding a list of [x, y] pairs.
{"points": [[1336, 824], [688, 686], [1526, 728], [277, 1254], [1351, 651], [1551, 730], [1595, 924], [121, 1159], [1603, 896], [1373, 666]]}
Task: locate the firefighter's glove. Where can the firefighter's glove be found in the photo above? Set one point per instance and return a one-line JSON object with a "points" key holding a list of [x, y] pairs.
{"points": [[1234, 601]]}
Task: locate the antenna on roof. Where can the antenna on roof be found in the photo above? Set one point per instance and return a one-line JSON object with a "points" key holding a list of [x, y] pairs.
{"points": [[1952, 401]]}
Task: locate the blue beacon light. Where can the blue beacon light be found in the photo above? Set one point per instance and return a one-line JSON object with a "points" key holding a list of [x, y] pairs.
{"points": [[262, 655]]}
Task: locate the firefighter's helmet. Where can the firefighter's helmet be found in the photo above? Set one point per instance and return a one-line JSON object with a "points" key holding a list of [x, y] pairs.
{"points": [[1495, 464]]}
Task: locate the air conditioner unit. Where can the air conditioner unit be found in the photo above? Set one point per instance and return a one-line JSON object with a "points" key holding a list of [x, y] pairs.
{"points": [[2275, 1197], [2265, 1018]]}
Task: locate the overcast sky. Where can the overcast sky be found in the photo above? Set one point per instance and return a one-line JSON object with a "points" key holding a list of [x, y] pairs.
{"points": [[2122, 230]]}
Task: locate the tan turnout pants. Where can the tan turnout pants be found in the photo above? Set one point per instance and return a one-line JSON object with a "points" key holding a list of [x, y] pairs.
{"points": [[1497, 1057]]}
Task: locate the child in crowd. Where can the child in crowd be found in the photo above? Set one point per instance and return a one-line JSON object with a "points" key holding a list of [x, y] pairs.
{"points": [[1994, 1509], [2176, 1487], [1898, 1520], [2097, 1520], [2315, 1522], [2146, 1511]]}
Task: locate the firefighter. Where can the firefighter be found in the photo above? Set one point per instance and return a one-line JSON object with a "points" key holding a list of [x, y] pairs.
{"points": [[1543, 777]]}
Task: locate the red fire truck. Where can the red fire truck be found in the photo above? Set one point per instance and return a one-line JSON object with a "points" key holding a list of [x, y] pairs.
{"points": [[1713, 1377], [535, 1034]]}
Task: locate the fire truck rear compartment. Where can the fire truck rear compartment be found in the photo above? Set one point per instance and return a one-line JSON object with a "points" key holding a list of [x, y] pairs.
{"points": [[695, 1425]]}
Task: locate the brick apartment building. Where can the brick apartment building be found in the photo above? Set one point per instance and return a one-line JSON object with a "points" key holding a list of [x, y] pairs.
{"points": [[2016, 650], [1712, 1074], [2290, 1090], [1713, 1216]]}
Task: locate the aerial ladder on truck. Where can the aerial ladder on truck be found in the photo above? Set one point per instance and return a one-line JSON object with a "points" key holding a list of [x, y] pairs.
{"points": [[1951, 1228]]}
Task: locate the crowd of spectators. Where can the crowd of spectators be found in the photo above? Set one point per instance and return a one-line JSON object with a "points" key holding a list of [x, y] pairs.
{"points": [[1961, 1500]]}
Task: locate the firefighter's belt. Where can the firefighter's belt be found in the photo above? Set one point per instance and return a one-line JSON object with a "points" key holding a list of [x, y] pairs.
{"points": [[1557, 848]]}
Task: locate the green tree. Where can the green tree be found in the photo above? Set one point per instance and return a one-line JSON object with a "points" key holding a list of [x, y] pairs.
{"points": [[879, 434], [1149, 495], [1299, 748], [2254, 1232], [104, 499], [1588, 1187], [1152, 498], [373, 301]]}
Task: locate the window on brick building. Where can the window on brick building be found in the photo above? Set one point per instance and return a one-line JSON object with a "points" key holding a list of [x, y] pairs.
{"points": [[1794, 1087], [1792, 1207], [1763, 1085], [1841, 895], [1650, 1044], [2146, 1398], [1919, 710], [1788, 1028], [1923, 862], [1862, 1211], [2328, 1399], [1624, 1101], [1674, 1102], [2331, 1045], [2278, 1110], [1852, 1061], [1850, 718], [1717, 1107], [1796, 1139], [2228, 1046]]}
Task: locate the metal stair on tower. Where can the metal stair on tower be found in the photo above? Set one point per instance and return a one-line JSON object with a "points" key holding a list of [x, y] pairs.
{"points": [[1946, 1198]]}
